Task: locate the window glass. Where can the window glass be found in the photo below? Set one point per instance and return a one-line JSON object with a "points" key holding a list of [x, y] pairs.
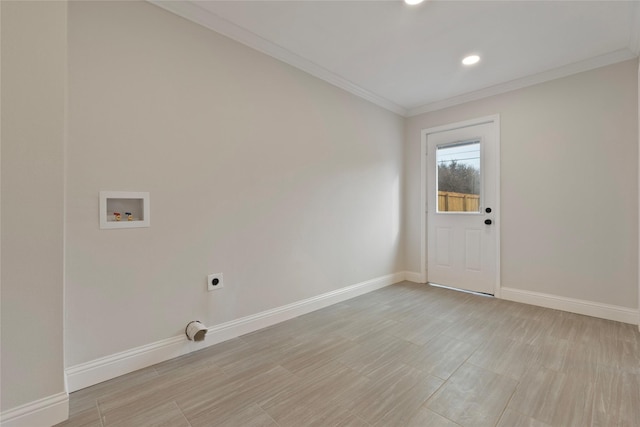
{"points": [[459, 177]]}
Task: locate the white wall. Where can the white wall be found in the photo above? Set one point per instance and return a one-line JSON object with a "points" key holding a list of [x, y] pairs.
{"points": [[284, 183], [34, 54], [569, 164]]}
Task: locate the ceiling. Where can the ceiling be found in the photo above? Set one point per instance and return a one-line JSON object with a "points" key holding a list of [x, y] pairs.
{"points": [[408, 58]]}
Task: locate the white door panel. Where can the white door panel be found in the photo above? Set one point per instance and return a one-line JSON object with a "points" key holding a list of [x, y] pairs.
{"points": [[443, 245], [473, 250], [462, 181]]}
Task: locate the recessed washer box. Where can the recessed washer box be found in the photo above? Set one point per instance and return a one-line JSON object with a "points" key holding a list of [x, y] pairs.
{"points": [[124, 209]]}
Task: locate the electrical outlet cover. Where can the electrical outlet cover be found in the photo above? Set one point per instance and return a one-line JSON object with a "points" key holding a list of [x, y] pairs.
{"points": [[211, 279]]}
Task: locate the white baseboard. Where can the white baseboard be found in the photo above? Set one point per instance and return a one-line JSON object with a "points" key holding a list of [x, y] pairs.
{"points": [[589, 308], [105, 368], [40, 413], [108, 367], [414, 277]]}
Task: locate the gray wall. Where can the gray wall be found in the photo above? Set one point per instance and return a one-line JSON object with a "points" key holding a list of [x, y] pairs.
{"points": [[34, 55], [284, 183], [569, 197]]}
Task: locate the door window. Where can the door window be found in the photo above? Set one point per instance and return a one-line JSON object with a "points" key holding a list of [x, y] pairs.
{"points": [[458, 176]]}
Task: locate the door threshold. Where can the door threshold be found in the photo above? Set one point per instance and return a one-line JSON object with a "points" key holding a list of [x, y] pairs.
{"points": [[482, 294]]}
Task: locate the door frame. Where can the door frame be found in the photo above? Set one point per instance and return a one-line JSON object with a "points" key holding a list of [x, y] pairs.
{"points": [[495, 119]]}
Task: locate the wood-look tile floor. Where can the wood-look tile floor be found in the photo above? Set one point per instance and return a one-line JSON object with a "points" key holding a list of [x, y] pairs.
{"points": [[405, 355]]}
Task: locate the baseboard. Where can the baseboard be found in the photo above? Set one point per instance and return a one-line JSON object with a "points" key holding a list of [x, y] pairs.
{"points": [[108, 367], [588, 308], [105, 368], [40, 413], [261, 320], [414, 277]]}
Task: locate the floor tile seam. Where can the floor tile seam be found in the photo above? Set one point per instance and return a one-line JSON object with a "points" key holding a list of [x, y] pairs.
{"points": [[377, 364], [268, 414], [339, 397], [171, 397], [162, 390], [335, 360], [175, 402], [546, 396], [399, 393], [441, 335], [266, 411], [368, 424], [459, 366], [234, 393], [218, 361], [440, 378], [475, 365], [75, 408], [333, 399], [212, 409], [99, 413], [448, 379], [434, 411], [298, 376], [408, 391], [230, 375], [113, 389], [475, 350], [346, 399], [513, 393], [594, 403], [436, 391], [531, 364], [493, 372], [394, 362]]}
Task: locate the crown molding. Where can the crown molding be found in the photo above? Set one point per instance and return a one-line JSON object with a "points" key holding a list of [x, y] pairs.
{"points": [[193, 12], [557, 73]]}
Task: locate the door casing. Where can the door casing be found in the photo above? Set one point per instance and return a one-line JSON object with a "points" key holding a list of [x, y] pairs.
{"points": [[495, 119]]}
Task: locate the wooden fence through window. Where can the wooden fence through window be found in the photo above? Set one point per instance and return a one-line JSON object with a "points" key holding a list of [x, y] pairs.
{"points": [[458, 202]]}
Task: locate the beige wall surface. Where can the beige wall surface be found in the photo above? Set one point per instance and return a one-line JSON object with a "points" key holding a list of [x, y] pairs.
{"points": [[287, 185], [34, 55], [569, 195]]}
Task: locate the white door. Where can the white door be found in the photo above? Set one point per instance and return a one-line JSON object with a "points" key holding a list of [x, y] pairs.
{"points": [[462, 208]]}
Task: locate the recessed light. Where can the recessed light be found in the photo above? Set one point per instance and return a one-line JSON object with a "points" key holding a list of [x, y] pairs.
{"points": [[471, 59], [413, 2]]}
